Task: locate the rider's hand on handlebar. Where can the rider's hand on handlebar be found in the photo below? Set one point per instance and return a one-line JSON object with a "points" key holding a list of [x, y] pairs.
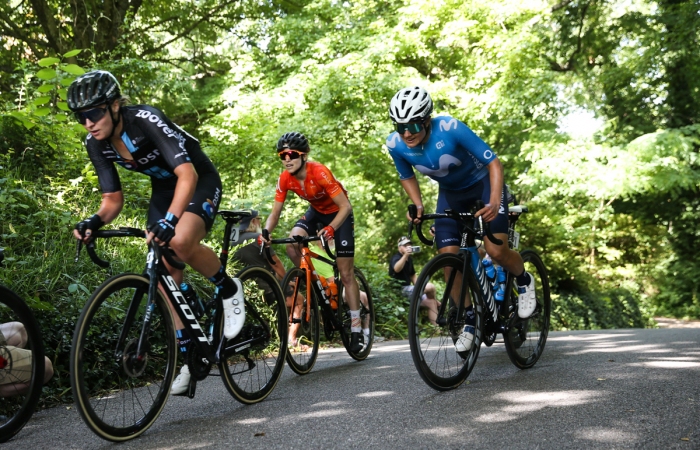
{"points": [[328, 232], [488, 212], [262, 241], [419, 214], [163, 230], [83, 230]]}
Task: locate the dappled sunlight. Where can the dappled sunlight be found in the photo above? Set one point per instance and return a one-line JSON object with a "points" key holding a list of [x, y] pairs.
{"points": [[605, 435], [667, 364], [651, 348], [322, 413], [520, 402], [587, 337], [375, 394], [327, 404], [253, 420], [441, 431], [392, 348]]}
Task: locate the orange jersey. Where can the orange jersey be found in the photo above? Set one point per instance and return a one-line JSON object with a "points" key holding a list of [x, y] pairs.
{"points": [[319, 188]]}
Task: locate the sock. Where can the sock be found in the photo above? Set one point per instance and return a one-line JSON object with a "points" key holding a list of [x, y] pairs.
{"points": [[224, 283], [183, 340], [365, 331], [355, 324], [471, 319], [523, 279]]}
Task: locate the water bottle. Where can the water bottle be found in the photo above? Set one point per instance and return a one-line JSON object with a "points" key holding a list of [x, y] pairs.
{"points": [[192, 300], [488, 267], [501, 283], [334, 293]]}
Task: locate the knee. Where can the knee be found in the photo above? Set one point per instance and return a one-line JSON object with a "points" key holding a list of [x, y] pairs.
{"points": [[182, 247], [429, 289]]}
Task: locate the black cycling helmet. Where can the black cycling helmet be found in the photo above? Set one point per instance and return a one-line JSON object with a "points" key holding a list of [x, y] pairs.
{"points": [[294, 141], [92, 89]]}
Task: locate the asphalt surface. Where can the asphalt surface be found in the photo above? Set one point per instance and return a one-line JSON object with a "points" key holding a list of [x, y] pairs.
{"points": [[591, 389]]}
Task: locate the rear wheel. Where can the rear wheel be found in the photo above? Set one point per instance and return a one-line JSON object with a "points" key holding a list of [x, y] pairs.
{"points": [[21, 363], [433, 345], [302, 353], [525, 338], [366, 316], [252, 362], [118, 392]]}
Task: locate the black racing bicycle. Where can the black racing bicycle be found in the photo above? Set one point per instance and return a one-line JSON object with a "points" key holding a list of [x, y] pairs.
{"points": [[21, 362], [312, 304], [462, 276], [124, 353]]}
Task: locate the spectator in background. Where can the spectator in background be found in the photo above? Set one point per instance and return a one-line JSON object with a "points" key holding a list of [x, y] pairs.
{"points": [[401, 269]]}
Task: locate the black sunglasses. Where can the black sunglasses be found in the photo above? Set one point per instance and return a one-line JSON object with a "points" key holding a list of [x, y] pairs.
{"points": [[412, 128], [94, 115], [293, 154]]}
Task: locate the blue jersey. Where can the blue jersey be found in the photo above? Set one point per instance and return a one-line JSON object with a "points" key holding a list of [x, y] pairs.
{"points": [[454, 155]]}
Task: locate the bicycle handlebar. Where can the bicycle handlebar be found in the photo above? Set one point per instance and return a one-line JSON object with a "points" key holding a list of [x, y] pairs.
{"points": [[464, 218], [298, 240], [124, 232]]}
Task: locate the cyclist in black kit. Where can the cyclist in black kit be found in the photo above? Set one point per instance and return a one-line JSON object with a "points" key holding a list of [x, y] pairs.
{"points": [[186, 187]]}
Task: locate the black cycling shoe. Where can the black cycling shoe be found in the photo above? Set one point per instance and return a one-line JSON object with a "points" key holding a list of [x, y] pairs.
{"points": [[356, 340]]}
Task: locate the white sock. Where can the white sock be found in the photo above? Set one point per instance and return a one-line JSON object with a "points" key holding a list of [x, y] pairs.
{"points": [[355, 323]]}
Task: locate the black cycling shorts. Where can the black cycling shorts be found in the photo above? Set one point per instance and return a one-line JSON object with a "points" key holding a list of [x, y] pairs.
{"points": [[204, 203], [344, 235]]}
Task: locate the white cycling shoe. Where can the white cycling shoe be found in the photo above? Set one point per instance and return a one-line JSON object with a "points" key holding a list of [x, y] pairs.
{"points": [[527, 300], [182, 382], [466, 339], [234, 312]]}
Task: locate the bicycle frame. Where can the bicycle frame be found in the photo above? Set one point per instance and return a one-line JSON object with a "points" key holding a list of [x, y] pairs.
{"points": [[312, 282]]}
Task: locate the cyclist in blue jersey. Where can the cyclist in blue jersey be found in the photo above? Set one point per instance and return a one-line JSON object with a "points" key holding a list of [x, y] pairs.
{"points": [[186, 188], [466, 170]]}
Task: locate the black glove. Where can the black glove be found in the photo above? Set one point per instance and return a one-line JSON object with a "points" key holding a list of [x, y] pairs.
{"points": [[164, 229], [93, 224]]}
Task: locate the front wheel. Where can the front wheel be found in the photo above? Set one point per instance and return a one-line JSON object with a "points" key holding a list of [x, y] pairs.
{"points": [[525, 338], [433, 350], [366, 317], [251, 363], [304, 335], [21, 363], [119, 391]]}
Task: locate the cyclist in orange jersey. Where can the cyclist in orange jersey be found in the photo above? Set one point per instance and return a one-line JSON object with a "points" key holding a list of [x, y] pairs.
{"points": [[329, 207]]}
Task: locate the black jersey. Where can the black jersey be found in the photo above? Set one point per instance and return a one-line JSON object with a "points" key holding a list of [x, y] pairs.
{"points": [[157, 147]]}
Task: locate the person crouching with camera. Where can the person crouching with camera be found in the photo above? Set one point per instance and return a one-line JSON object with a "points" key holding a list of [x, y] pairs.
{"points": [[401, 268]]}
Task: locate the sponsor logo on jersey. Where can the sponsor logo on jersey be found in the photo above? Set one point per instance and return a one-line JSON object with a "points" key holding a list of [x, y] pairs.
{"points": [[150, 157], [448, 125], [477, 163], [393, 140], [440, 144], [445, 162], [488, 154], [153, 118], [344, 243]]}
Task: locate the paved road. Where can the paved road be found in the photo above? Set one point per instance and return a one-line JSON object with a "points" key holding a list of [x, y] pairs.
{"points": [[600, 389]]}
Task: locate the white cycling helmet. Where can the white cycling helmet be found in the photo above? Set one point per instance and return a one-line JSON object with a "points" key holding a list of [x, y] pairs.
{"points": [[412, 104]]}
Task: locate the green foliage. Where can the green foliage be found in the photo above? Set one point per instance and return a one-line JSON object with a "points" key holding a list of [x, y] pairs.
{"points": [[614, 215]]}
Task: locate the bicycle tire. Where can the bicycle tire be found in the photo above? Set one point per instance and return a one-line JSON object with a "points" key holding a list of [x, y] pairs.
{"points": [[302, 358], [525, 338], [18, 407], [432, 346], [366, 316], [252, 371], [120, 397]]}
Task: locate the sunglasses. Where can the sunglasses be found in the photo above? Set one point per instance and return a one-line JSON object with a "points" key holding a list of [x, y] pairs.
{"points": [[293, 154], [412, 128], [93, 115]]}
